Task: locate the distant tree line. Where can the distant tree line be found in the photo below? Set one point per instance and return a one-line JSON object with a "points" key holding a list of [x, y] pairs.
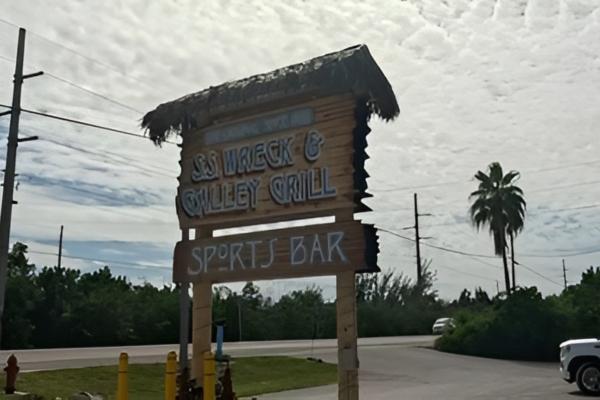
{"points": [[63, 307]]}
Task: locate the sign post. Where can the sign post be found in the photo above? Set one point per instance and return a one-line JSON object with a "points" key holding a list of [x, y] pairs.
{"points": [[278, 147]]}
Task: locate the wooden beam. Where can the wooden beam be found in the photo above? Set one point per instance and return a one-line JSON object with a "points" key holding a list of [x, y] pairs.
{"points": [[201, 320], [314, 250], [347, 336]]}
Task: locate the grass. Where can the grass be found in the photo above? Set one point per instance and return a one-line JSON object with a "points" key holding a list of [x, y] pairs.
{"points": [[251, 376]]}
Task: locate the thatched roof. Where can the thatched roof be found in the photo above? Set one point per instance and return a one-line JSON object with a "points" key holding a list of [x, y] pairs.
{"points": [[349, 70]]}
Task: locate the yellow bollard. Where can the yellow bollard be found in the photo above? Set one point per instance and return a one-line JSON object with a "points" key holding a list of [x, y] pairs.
{"points": [[171, 376], [122, 389], [209, 376]]}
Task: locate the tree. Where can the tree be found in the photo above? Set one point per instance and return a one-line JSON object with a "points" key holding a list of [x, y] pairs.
{"points": [[499, 204], [22, 295]]}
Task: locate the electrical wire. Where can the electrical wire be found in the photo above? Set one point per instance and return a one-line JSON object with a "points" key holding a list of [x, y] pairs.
{"points": [[468, 273], [458, 182], [463, 253], [563, 255], [137, 264], [84, 123], [92, 92], [85, 89], [107, 157], [471, 255], [84, 56], [6, 59], [537, 273]]}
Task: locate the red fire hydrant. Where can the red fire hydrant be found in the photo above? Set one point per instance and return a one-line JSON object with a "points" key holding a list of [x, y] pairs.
{"points": [[11, 369]]}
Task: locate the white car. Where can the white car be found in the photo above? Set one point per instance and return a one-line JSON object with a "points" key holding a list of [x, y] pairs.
{"points": [[580, 362], [442, 325]]}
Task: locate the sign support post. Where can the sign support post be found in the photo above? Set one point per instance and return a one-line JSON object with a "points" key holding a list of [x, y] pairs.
{"points": [[347, 336], [202, 323], [277, 148], [201, 319]]}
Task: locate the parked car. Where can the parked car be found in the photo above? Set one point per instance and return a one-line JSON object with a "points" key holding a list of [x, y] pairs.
{"points": [[580, 362], [442, 325]]}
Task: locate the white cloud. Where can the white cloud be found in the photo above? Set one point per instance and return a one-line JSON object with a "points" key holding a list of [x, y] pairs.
{"points": [[480, 81]]}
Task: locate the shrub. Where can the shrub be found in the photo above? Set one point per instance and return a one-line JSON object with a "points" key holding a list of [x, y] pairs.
{"points": [[524, 326]]}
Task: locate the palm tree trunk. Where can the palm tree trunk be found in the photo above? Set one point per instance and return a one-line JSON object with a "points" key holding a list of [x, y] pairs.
{"points": [[512, 260], [506, 274]]}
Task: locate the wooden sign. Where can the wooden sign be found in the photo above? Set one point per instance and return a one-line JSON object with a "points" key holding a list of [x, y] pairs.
{"points": [[283, 164], [286, 253], [278, 146]]}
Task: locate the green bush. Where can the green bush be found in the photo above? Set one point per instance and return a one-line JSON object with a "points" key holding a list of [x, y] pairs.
{"points": [[526, 326]]}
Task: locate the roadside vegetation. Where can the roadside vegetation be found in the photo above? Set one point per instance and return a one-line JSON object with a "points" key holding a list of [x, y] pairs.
{"points": [[61, 307], [252, 376], [526, 326], [521, 324]]}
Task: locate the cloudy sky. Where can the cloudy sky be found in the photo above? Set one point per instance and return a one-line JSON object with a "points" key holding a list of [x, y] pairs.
{"points": [[515, 81]]}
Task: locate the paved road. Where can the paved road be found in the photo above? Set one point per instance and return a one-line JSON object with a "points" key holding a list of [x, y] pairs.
{"points": [[391, 368], [417, 373], [45, 359]]}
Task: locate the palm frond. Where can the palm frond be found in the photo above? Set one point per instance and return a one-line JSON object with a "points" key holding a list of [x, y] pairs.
{"points": [[496, 172], [508, 178], [483, 178]]}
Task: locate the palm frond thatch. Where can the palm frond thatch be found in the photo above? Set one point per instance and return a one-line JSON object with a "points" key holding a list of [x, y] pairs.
{"points": [[350, 70]]}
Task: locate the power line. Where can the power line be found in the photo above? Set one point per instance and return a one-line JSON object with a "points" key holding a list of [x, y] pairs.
{"points": [[550, 188], [111, 156], [463, 253], [409, 188], [527, 255], [471, 255], [84, 123], [537, 273], [83, 88], [545, 211], [559, 255], [92, 92], [468, 273], [137, 264], [84, 56], [529, 214], [101, 195], [7, 59], [536, 171]]}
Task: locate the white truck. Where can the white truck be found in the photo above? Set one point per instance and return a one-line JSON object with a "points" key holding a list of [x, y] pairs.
{"points": [[580, 362]]}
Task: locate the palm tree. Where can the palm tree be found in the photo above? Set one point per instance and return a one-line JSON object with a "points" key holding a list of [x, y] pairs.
{"points": [[499, 204]]}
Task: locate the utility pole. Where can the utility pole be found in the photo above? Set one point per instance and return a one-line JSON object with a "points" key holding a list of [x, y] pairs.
{"points": [[512, 261], [9, 171], [564, 273], [60, 247], [418, 238], [417, 241], [240, 319]]}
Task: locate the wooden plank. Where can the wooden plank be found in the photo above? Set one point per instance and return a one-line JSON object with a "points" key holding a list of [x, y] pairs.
{"points": [[268, 109], [201, 320], [347, 336], [327, 115], [314, 250], [266, 191]]}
